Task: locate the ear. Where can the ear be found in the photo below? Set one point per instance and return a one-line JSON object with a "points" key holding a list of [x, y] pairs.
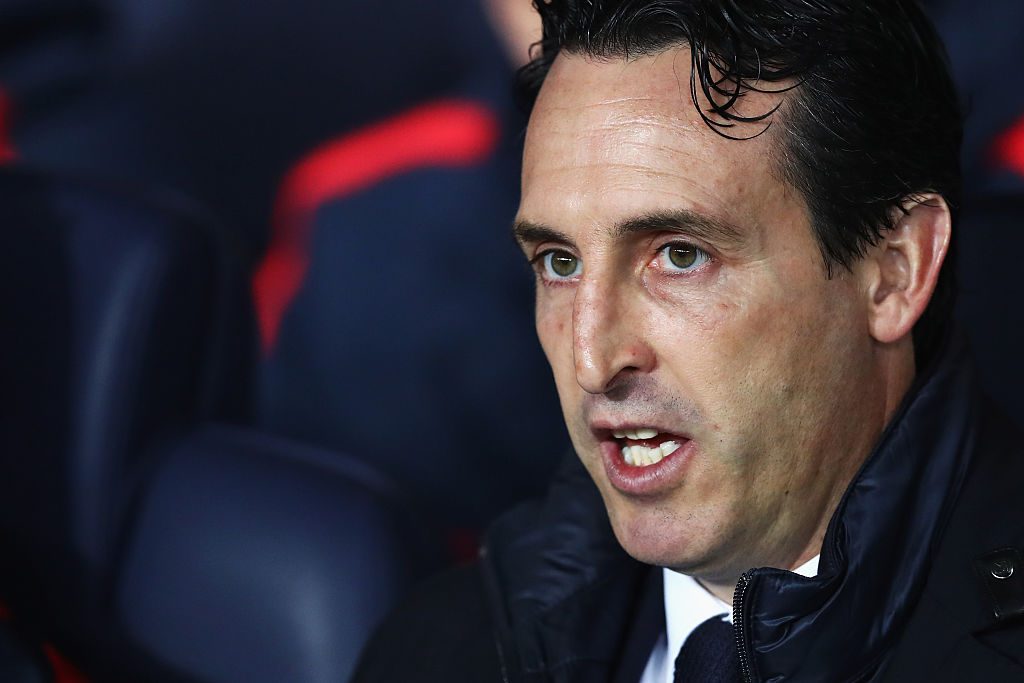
{"points": [[906, 267]]}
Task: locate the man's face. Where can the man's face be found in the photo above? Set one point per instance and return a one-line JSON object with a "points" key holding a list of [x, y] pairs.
{"points": [[683, 304]]}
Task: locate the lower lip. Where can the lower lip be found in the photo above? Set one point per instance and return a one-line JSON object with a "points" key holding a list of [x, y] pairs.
{"points": [[652, 480]]}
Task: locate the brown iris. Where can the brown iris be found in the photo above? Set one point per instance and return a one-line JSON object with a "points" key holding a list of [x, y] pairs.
{"points": [[682, 255], [563, 264]]}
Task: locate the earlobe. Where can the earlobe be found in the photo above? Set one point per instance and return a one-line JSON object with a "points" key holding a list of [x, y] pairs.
{"points": [[907, 264]]}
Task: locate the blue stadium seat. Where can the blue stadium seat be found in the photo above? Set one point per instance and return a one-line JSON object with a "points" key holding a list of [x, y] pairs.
{"points": [[256, 560], [122, 323], [141, 529]]}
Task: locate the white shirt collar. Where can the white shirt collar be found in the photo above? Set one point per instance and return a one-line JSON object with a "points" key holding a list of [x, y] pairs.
{"points": [[687, 605]]}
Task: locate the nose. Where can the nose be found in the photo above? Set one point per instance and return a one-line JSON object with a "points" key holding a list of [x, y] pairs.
{"points": [[608, 339]]}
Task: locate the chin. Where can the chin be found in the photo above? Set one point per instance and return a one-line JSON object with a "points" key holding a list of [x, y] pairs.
{"points": [[658, 537]]}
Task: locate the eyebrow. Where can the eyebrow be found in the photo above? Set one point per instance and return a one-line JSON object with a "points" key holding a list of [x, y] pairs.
{"points": [[712, 230], [527, 232], [685, 222]]}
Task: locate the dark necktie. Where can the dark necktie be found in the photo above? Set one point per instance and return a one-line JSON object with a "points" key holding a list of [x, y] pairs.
{"points": [[709, 655]]}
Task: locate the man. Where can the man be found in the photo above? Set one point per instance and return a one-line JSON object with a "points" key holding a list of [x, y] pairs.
{"points": [[740, 214]]}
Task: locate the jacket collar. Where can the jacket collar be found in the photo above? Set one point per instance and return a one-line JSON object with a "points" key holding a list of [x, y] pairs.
{"points": [[563, 589]]}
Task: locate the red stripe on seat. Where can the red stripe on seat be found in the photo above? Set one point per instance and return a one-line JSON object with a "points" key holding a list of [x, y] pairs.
{"points": [[63, 670], [1008, 149], [7, 153], [448, 133]]}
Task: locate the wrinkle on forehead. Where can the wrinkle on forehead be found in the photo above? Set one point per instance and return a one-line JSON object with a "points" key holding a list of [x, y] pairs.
{"points": [[639, 120], [612, 111], [620, 135], [613, 101]]}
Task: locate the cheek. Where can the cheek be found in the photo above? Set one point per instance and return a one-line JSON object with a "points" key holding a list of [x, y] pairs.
{"points": [[765, 352], [748, 353], [705, 338], [778, 366]]}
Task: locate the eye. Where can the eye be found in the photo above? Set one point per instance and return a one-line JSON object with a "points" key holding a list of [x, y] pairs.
{"points": [[681, 257], [560, 265]]}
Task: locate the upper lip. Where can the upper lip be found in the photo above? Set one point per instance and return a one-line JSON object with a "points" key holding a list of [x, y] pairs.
{"points": [[603, 430]]}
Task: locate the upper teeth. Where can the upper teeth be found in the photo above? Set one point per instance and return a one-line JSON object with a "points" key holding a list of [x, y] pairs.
{"points": [[641, 456], [637, 434]]}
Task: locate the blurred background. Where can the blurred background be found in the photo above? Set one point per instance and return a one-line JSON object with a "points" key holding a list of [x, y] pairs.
{"points": [[268, 353]]}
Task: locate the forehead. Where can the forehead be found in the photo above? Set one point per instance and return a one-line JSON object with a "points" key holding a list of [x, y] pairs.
{"points": [[611, 139]]}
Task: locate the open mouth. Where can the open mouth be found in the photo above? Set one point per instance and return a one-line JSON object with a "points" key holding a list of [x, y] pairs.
{"points": [[646, 446]]}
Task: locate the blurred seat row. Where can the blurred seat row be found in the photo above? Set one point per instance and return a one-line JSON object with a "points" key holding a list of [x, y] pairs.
{"points": [[266, 340], [145, 533]]}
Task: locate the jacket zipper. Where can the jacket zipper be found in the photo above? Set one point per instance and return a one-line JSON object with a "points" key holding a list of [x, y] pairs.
{"points": [[739, 625]]}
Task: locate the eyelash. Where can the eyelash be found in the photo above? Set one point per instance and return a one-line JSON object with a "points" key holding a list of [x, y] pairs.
{"points": [[542, 267], [701, 256], [540, 264]]}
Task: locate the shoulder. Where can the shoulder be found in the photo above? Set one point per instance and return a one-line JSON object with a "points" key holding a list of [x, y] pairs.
{"points": [[442, 632], [955, 632]]}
